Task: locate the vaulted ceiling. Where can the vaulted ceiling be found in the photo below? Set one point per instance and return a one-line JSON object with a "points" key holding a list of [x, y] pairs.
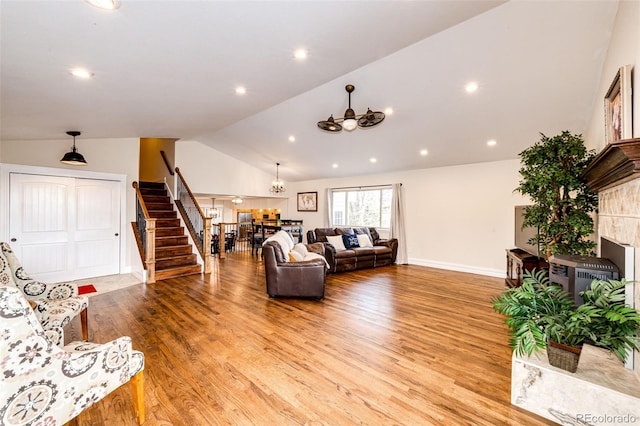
{"points": [[170, 69]]}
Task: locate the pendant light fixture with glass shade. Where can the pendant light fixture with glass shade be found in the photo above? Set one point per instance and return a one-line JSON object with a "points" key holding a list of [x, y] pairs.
{"points": [[73, 157], [351, 121], [277, 186]]}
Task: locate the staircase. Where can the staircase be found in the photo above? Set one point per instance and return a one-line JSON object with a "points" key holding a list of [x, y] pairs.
{"points": [[174, 254]]}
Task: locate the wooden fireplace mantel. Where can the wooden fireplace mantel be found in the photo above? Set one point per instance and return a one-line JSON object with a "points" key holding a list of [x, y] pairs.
{"points": [[619, 162]]}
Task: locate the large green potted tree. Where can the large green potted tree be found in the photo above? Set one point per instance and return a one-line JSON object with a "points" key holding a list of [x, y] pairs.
{"points": [[562, 202], [542, 316]]}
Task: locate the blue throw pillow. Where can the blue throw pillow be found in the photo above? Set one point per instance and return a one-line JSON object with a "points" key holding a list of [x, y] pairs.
{"points": [[350, 241]]}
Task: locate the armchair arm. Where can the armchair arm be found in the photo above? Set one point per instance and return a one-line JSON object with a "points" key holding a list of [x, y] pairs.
{"points": [[330, 255], [311, 237], [392, 243], [316, 248], [37, 290], [114, 355], [304, 264], [59, 312]]}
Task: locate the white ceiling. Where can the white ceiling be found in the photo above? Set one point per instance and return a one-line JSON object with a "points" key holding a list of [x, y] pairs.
{"points": [[169, 69]]}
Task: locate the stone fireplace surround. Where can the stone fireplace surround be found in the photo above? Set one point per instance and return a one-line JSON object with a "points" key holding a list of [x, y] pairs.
{"points": [[615, 176]]}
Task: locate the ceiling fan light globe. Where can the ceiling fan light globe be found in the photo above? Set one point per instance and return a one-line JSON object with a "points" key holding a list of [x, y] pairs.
{"points": [[349, 124]]}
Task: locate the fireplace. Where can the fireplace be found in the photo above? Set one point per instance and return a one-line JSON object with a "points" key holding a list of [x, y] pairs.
{"points": [[615, 176]]}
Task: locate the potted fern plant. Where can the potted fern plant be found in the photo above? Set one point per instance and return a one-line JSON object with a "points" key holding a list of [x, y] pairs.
{"points": [[542, 316]]}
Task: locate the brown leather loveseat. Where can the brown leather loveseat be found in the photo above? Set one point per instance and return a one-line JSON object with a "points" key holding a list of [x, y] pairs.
{"points": [[294, 279], [381, 253]]}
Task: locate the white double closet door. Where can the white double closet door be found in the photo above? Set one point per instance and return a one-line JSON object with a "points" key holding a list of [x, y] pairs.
{"points": [[64, 228]]}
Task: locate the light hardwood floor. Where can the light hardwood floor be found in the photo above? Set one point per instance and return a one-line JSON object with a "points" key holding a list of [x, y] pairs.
{"points": [[397, 345]]}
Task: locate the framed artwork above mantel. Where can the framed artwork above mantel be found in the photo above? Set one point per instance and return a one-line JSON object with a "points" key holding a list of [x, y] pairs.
{"points": [[618, 107], [307, 201]]}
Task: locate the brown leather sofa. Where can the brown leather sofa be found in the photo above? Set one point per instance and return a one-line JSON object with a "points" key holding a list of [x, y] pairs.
{"points": [[383, 252], [294, 279]]}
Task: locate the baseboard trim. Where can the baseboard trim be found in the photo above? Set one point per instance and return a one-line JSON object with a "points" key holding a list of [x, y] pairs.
{"points": [[497, 273]]}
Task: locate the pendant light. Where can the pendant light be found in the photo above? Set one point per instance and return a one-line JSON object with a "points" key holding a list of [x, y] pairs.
{"points": [[73, 157], [277, 186]]}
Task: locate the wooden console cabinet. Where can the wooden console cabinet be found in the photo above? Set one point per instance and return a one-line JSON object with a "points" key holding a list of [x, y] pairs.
{"points": [[519, 261]]}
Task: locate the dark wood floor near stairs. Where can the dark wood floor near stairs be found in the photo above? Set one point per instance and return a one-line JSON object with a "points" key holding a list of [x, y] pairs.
{"points": [[398, 345]]}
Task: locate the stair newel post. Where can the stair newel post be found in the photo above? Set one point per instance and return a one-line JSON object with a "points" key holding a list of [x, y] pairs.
{"points": [[150, 255], [222, 241], [208, 257]]}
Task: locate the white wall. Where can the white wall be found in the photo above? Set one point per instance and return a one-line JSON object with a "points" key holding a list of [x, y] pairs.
{"points": [[459, 217], [117, 156], [624, 49], [208, 171]]}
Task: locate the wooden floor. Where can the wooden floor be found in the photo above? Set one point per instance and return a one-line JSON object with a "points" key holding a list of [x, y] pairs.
{"points": [[397, 345]]}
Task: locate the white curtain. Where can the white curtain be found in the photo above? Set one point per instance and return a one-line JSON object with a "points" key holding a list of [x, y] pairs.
{"points": [[397, 223], [327, 217]]}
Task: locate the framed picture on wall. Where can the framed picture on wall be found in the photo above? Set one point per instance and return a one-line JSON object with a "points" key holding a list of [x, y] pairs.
{"points": [[307, 201], [618, 116]]}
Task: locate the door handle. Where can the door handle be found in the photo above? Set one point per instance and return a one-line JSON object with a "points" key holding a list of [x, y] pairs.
{"points": [[13, 240], [117, 234]]}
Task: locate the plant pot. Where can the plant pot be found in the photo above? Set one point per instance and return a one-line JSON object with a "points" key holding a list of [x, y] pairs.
{"points": [[563, 356]]}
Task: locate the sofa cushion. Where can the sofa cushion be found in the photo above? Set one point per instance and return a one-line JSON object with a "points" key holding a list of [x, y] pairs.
{"points": [[350, 241], [344, 231], [345, 254], [323, 233], [336, 242], [363, 230], [383, 251], [364, 251]]}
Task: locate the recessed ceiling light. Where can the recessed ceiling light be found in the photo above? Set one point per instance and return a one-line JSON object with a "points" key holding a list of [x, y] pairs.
{"points": [[492, 142], [388, 111], [292, 138], [334, 165], [373, 160], [81, 73], [300, 54], [105, 4], [471, 87], [423, 152], [241, 90]]}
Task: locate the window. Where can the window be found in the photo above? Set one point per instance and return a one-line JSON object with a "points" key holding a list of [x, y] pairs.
{"points": [[362, 207]]}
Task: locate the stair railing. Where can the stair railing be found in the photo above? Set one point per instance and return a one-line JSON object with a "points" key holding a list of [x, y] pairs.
{"points": [[198, 225], [145, 230]]}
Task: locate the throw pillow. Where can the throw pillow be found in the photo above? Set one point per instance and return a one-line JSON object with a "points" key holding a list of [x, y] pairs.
{"points": [[301, 248], [336, 241], [364, 241], [350, 241], [294, 256]]}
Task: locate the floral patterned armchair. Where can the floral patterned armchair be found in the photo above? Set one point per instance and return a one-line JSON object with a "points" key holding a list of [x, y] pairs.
{"points": [[43, 384], [55, 304]]}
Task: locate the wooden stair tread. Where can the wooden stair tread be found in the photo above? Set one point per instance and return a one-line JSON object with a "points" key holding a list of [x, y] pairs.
{"points": [[173, 252], [178, 272]]}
